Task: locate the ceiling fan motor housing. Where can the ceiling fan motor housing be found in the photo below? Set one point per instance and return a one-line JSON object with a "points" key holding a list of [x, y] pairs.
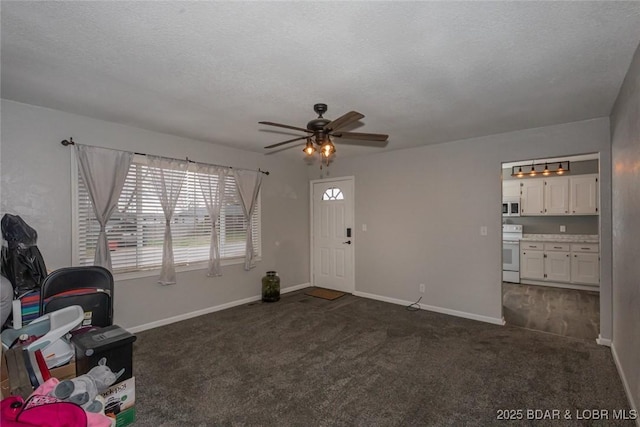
{"points": [[317, 125], [320, 109]]}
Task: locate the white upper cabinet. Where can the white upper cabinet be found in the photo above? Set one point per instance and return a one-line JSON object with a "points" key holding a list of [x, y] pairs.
{"points": [[532, 197], [556, 196], [511, 189], [584, 194], [563, 195]]}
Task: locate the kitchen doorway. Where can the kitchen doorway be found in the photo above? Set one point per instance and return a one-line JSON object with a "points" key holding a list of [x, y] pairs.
{"points": [[556, 233]]}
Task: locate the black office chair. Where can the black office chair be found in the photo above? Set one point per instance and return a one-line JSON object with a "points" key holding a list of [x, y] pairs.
{"points": [[90, 287]]}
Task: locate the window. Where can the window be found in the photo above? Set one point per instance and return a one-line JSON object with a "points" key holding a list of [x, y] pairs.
{"points": [[136, 229], [333, 193]]}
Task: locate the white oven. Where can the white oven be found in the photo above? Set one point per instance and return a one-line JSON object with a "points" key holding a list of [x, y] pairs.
{"points": [[511, 235]]}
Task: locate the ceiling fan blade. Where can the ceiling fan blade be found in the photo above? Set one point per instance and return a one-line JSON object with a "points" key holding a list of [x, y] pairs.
{"points": [[283, 148], [345, 119], [286, 126], [286, 142], [359, 135]]}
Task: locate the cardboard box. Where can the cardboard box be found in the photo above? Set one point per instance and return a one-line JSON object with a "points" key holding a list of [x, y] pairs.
{"points": [[63, 372], [126, 417], [119, 402]]}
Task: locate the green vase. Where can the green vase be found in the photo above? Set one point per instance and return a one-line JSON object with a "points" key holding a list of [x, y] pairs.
{"points": [[271, 287]]}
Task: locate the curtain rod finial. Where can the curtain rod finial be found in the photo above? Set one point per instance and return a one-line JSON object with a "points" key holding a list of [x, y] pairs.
{"points": [[69, 142]]}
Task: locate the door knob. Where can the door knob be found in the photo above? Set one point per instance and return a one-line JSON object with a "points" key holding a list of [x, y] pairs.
{"points": [[348, 242]]}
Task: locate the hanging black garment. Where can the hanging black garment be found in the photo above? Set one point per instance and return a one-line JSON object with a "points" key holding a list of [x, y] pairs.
{"points": [[22, 262]]}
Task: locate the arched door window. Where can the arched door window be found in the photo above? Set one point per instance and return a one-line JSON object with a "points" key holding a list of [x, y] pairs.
{"points": [[333, 193]]}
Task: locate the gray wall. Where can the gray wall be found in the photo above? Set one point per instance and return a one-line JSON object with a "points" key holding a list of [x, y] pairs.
{"points": [[424, 208], [625, 137], [36, 184], [583, 224]]}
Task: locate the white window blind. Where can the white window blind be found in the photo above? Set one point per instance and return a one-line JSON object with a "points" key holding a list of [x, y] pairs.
{"points": [[136, 229]]}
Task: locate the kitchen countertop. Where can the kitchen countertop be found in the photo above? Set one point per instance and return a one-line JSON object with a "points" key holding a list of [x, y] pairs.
{"points": [[567, 238]]}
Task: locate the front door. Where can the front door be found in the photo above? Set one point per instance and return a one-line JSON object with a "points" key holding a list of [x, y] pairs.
{"points": [[332, 236]]}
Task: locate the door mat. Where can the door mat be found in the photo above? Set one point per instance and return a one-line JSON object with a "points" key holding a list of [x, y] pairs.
{"points": [[325, 293]]}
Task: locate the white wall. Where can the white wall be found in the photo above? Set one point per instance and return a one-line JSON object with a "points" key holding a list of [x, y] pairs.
{"points": [[625, 130], [424, 208], [36, 184]]}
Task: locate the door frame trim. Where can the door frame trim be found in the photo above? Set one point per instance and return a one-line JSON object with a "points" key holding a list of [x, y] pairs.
{"points": [[311, 235]]}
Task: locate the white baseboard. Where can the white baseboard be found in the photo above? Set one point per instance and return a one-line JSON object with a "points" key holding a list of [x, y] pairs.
{"points": [[472, 316], [634, 405], [294, 288], [185, 316], [603, 341], [593, 288]]}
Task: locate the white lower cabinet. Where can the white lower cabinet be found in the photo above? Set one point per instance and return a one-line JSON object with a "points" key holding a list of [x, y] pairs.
{"points": [[557, 266], [531, 263], [585, 264], [560, 262]]}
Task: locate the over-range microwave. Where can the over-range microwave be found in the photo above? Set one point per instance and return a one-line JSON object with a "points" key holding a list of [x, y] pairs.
{"points": [[511, 207]]}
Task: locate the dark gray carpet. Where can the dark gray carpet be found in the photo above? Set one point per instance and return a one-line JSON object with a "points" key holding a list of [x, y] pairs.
{"points": [[307, 361], [566, 312]]}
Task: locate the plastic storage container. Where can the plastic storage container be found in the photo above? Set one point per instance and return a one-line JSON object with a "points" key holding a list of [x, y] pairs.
{"points": [[112, 342], [271, 287]]}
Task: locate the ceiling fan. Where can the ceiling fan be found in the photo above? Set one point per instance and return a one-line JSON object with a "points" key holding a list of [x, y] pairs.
{"points": [[320, 131]]}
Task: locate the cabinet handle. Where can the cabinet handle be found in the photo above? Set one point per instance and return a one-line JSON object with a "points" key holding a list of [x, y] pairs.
{"points": [[544, 256], [567, 254], [557, 247], [575, 256], [586, 249]]}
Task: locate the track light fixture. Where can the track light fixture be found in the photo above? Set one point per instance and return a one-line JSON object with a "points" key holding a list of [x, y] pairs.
{"points": [[562, 168]]}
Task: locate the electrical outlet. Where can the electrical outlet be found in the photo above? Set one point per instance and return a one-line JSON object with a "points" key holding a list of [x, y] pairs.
{"points": [[422, 288], [563, 228], [483, 230]]}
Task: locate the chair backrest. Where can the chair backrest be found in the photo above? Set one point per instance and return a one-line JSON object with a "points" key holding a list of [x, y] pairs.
{"points": [[90, 287]]}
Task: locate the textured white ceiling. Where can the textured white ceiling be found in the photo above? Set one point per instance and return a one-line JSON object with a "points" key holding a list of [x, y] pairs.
{"points": [[423, 72]]}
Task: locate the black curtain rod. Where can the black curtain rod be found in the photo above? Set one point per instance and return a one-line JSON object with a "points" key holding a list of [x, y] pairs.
{"points": [[70, 141]]}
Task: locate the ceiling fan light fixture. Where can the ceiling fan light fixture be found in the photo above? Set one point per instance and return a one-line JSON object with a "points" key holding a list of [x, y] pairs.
{"points": [[309, 149], [327, 149], [319, 133]]}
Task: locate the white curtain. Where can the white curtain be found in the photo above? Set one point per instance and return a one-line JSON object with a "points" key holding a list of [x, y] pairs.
{"points": [[104, 173], [212, 182], [248, 183], [167, 177]]}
